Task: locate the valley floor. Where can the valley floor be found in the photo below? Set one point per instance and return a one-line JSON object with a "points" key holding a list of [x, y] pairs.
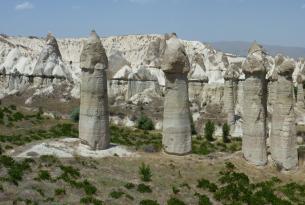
{"points": [[216, 174]]}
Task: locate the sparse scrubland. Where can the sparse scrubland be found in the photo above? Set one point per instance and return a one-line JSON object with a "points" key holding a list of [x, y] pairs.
{"points": [[214, 174]]}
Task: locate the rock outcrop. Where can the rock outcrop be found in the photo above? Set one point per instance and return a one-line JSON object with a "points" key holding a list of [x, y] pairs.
{"points": [[94, 113], [176, 118], [50, 62], [300, 91], [231, 77], [255, 106], [283, 132]]}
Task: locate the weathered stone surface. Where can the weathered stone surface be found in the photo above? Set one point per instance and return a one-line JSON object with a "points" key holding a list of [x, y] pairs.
{"points": [[300, 94], [176, 121], [255, 106], [231, 77], [93, 54], [50, 61], [94, 113], [283, 132]]}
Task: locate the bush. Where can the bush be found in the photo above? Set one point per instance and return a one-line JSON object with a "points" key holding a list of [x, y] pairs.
{"points": [[148, 202], [145, 172], [142, 188], [193, 129], [44, 175], [88, 187], [90, 200], [175, 201], [145, 123], [206, 184], [74, 115], [209, 130], [59, 191], [129, 186], [175, 190], [203, 199], [225, 133], [116, 194]]}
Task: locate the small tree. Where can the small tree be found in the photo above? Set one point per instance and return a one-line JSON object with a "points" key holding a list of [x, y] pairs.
{"points": [[193, 129], [145, 172], [75, 114], [145, 123], [225, 133], [209, 130]]}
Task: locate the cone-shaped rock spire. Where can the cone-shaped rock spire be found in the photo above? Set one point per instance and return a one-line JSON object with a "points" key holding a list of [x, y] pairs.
{"points": [[255, 106], [176, 120], [94, 114], [283, 132]]}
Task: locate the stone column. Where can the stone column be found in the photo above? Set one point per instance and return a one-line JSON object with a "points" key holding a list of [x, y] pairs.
{"points": [[94, 114], [231, 77], [255, 106], [177, 137], [283, 134], [300, 93]]}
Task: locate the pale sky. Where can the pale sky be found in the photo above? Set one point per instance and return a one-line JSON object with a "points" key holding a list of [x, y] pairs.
{"points": [[277, 22]]}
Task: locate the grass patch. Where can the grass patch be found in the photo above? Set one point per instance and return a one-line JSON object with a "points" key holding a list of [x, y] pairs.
{"points": [[142, 188]]}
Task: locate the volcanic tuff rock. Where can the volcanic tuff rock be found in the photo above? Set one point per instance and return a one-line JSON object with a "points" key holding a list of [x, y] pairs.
{"points": [[255, 106], [231, 77], [94, 114], [176, 118], [283, 132], [126, 55]]}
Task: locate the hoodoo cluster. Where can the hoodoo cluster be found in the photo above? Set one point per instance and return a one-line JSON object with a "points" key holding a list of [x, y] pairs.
{"points": [[177, 138]]}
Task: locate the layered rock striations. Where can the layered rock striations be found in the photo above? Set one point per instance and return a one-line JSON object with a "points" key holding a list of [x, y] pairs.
{"points": [[94, 113], [283, 131], [176, 117], [255, 106], [231, 77]]}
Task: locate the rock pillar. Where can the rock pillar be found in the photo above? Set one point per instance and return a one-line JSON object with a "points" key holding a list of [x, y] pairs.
{"points": [[283, 133], [176, 119], [94, 114], [255, 106]]}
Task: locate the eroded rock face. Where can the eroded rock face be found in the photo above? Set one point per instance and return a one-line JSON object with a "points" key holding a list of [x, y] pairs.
{"points": [[50, 62], [300, 94], [283, 132], [231, 77], [176, 118], [255, 106], [94, 113]]}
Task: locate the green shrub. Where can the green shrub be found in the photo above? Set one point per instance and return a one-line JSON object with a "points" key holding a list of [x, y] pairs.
{"points": [[142, 188], [18, 116], [116, 194], [145, 123], [207, 185], [70, 171], [13, 107], [175, 201], [193, 129], [209, 130], [90, 200], [59, 191], [88, 187], [44, 175], [175, 190], [74, 115], [39, 114], [203, 199], [49, 160], [148, 202], [129, 186], [225, 133], [145, 172]]}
